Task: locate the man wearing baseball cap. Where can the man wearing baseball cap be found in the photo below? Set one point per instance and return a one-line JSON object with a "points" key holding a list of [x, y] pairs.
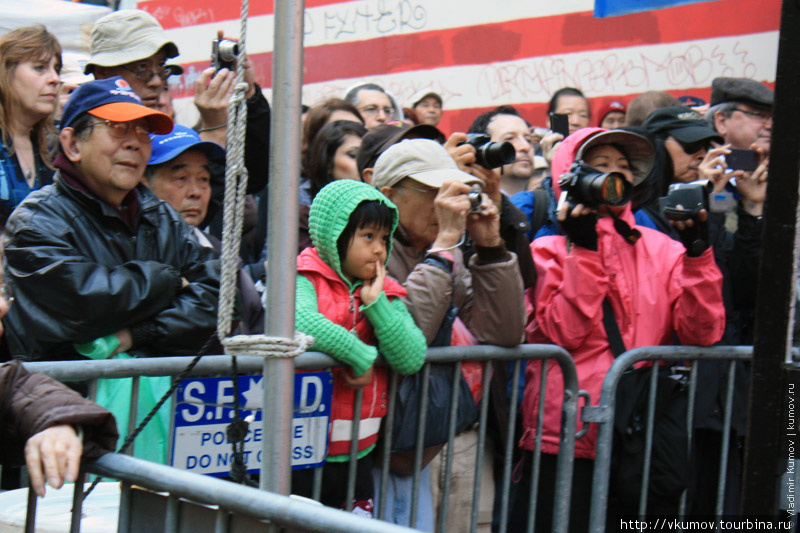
{"points": [[179, 173], [132, 44], [96, 254], [436, 215], [686, 137], [611, 115], [428, 106]]}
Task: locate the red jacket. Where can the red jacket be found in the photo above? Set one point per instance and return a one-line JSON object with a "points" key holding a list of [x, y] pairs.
{"points": [[337, 304], [655, 289]]}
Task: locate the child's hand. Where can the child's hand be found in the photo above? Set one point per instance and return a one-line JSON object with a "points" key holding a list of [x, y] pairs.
{"points": [[359, 382], [373, 288]]}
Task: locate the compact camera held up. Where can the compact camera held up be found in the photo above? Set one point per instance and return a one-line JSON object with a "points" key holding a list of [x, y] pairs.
{"points": [[586, 185], [691, 197], [224, 53], [475, 199], [490, 154]]}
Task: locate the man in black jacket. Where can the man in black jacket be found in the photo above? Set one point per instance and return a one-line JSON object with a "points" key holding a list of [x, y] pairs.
{"points": [[96, 253]]}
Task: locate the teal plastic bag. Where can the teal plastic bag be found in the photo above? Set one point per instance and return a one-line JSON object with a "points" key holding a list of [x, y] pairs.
{"points": [[115, 395]]}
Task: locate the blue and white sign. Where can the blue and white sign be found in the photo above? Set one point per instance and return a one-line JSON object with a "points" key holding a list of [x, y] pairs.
{"points": [[204, 408]]}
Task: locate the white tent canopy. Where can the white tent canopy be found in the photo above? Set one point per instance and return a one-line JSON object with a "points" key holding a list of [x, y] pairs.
{"points": [[70, 22]]}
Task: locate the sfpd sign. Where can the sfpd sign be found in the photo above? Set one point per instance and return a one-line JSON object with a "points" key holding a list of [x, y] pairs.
{"points": [[204, 408]]}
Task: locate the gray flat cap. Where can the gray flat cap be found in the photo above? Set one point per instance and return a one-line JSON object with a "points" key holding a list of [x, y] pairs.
{"points": [[741, 90]]}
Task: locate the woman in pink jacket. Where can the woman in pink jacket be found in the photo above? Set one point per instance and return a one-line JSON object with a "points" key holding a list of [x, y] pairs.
{"points": [[656, 288]]}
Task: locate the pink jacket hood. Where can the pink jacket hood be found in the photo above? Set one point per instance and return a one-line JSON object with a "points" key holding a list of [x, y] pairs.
{"points": [[565, 154]]}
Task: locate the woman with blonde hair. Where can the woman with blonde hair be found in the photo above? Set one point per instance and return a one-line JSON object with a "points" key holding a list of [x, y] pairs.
{"points": [[30, 62]]}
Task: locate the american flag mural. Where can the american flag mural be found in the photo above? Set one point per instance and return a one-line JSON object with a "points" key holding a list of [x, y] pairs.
{"points": [[482, 53]]}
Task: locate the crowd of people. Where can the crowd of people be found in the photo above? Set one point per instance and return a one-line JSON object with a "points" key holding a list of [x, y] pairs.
{"points": [[408, 238]]}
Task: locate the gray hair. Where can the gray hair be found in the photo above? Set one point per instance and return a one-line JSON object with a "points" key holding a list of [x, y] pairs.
{"points": [[727, 108], [352, 93]]}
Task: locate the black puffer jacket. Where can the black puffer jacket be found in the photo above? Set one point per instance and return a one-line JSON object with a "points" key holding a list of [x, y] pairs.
{"points": [[79, 272]]}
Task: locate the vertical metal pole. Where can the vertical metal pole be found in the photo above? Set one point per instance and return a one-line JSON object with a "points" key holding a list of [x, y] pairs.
{"points": [[77, 503], [774, 303], [284, 174], [30, 515]]}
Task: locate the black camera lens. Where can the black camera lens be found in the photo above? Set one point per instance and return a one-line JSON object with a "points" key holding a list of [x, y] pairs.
{"points": [[489, 154], [493, 155], [612, 188], [588, 186]]}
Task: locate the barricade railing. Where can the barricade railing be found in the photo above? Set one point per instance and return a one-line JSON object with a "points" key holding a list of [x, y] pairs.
{"points": [[603, 415], [188, 493], [221, 365]]}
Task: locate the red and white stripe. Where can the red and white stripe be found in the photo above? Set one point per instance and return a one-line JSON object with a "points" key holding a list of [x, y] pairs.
{"points": [[480, 54]]}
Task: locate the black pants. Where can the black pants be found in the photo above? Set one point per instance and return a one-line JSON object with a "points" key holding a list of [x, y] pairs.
{"points": [[334, 482], [579, 502]]}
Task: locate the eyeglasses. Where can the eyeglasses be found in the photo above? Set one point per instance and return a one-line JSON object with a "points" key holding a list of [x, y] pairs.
{"points": [[694, 147], [372, 110], [144, 73], [755, 115], [120, 130]]}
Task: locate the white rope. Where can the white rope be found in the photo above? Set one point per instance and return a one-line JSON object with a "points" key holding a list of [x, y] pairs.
{"points": [[235, 189], [268, 346]]}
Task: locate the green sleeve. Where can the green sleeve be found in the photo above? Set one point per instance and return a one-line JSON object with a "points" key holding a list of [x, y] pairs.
{"points": [[330, 338], [400, 341]]}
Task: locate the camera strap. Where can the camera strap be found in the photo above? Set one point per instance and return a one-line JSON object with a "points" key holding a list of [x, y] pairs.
{"points": [[631, 235], [613, 334]]}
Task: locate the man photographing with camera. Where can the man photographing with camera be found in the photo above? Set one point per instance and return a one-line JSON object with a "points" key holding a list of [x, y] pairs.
{"points": [[453, 301]]}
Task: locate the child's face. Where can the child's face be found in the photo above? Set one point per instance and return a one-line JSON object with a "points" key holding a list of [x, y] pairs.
{"points": [[368, 246]]}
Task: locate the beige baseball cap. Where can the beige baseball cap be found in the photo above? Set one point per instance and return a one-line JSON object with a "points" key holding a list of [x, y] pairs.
{"points": [[125, 36], [423, 160]]}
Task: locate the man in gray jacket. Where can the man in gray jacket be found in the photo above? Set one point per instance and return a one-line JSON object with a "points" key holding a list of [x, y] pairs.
{"points": [[436, 214]]}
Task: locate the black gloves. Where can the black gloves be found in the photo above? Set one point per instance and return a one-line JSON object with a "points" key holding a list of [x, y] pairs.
{"points": [[695, 238], [581, 230]]}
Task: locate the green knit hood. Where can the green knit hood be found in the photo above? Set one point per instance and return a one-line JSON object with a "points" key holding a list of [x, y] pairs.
{"points": [[330, 212]]}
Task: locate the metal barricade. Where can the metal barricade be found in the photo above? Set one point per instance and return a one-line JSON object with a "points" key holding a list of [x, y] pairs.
{"points": [[603, 415], [221, 365], [234, 507]]}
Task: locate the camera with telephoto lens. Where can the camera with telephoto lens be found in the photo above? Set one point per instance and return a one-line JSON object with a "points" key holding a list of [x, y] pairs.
{"points": [[692, 197], [591, 187], [475, 199], [489, 154], [223, 54]]}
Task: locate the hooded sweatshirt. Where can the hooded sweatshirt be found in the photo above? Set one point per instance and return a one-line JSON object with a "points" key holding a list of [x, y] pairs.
{"points": [[655, 290], [329, 309]]}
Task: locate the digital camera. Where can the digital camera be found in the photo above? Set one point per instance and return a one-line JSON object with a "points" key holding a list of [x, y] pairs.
{"points": [[490, 154], [591, 187], [224, 53], [691, 197], [475, 199]]}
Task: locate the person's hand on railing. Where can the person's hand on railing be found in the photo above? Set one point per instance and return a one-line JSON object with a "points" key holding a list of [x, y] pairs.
{"points": [[53, 455], [357, 382]]}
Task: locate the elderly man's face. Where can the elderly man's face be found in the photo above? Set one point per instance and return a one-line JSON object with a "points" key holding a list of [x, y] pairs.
{"points": [[415, 204], [146, 77], [746, 125], [185, 184], [111, 156]]}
